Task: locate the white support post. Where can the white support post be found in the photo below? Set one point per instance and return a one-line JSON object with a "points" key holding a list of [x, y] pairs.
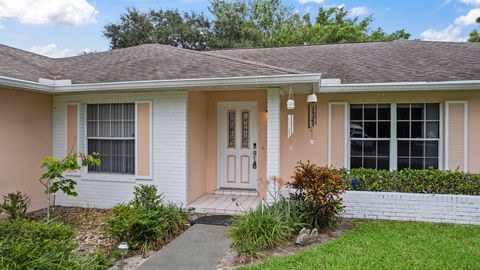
{"points": [[273, 140]]}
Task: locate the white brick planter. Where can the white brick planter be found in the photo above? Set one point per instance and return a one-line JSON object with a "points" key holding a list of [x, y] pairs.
{"points": [[459, 209]]}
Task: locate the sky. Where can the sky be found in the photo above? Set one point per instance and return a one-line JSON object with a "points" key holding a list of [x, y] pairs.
{"points": [[60, 28]]}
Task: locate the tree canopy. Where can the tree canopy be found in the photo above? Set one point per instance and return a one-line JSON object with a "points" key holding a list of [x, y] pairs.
{"points": [[475, 35], [243, 23]]}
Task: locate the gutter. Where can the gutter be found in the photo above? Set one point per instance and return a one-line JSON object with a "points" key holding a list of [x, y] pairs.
{"points": [[269, 81], [49, 86], [402, 87], [273, 80], [23, 84]]}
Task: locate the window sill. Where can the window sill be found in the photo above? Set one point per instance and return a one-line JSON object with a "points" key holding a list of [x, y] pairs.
{"points": [[109, 177], [73, 174]]}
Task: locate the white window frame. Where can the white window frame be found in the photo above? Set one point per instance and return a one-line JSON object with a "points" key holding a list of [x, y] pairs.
{"points": [[105, 175], [363, 139], [393, 131]]}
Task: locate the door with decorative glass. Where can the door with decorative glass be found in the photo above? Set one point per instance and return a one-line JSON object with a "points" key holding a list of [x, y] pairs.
{"points": [[237, 145]]}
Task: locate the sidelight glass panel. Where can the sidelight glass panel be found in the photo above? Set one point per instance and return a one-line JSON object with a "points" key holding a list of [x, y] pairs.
{"points": [[231, 129], [245, 129]]}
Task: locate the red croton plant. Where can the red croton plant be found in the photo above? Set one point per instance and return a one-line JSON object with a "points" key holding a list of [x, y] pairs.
{"points": [[318, 190]]}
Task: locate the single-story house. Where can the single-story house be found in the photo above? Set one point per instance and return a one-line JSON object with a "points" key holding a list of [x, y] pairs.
{"points": [[194, 123]]}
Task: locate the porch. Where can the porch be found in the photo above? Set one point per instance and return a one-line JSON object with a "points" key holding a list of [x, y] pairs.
{"points": [[233, 145], [226, 202]]}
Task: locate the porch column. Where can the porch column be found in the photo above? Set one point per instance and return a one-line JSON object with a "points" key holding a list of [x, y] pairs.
{"points": [[273, 139]]}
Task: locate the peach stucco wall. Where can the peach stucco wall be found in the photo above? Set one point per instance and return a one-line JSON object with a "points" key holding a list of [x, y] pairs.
{"points": [[197, 144], [202, 144], [25, 138], [298, 147]]}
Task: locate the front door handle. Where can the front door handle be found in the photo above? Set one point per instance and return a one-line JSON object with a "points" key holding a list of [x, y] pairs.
{"points": [[254, 163]]}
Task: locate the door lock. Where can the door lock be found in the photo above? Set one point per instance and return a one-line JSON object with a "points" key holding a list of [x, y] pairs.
{"points": [[254, 163]]}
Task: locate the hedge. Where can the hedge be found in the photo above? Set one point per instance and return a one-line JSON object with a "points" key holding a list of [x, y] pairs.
{"points": [[414, 181]]}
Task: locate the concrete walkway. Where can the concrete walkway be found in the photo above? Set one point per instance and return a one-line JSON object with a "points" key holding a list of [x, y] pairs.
{"points": [[200, 247]]}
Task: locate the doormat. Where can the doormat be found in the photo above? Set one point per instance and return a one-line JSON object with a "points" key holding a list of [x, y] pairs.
{"points": [[220, 220]]}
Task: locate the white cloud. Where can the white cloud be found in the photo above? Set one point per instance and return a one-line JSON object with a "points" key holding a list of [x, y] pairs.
{"points": [[471, 2], [468, 19], [53, 12], [310, 1], [454, 31], [358, 11], [451, 33], [50, 50]]}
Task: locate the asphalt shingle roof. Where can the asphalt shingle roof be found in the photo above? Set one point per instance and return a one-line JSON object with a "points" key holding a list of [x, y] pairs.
{"points": [[396, 61], [375, 62]]}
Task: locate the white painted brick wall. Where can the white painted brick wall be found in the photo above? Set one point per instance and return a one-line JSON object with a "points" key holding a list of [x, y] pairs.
{"points": [[460, 209], [273, 138], [169, 142]]}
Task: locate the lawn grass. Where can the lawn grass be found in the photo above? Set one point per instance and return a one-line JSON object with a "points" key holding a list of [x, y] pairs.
{"points": [[390, 245]]}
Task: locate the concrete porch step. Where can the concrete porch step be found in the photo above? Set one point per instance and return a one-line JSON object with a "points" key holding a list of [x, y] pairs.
{"points": [[220, 204], [236, 192]]}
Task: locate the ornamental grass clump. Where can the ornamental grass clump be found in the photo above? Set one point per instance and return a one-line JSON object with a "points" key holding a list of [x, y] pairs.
{"points": [[258, 229], [318, 190], [33, 244]]}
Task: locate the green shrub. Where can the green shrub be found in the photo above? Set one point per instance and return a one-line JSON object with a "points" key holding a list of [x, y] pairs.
{"points": [[415, 181], [27, 244], [146, 197], [15, 204], [147, 221], [259, 229], [291, 211], [318, 190]]}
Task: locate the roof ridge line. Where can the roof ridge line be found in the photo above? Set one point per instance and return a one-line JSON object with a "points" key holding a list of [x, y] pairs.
{"points": [[235, 59], [253, 63]]}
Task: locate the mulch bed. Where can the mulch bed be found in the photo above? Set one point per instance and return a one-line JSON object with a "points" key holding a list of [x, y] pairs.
{"points": [[231, 259], [89, 225]]}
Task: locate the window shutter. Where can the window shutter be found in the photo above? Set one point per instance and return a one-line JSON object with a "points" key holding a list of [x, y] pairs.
{"points": [[144, 140], [337, 134], [456, 139], [72, 128]]}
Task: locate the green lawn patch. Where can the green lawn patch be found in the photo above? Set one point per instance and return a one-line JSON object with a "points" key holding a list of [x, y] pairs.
{"points": [[390, 245]]}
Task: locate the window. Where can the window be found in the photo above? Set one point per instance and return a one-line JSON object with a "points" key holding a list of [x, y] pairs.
{"points": [[416, 128], [370, 136], [111, 133], [418, 134]]}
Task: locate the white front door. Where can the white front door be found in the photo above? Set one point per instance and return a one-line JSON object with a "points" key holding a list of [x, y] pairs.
{"points": [[237, 145]]}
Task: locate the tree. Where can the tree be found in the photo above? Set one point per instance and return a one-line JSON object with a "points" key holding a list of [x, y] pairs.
{"points": [[54, 178], [135, 28], [169, 27], [244, 23], [190, 31], [475, 35]]}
